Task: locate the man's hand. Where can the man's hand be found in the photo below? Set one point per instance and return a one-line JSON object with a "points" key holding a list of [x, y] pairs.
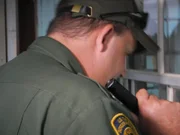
{"points": [[158, 117]]}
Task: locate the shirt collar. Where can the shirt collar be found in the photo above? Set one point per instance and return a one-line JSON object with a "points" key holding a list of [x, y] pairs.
{"points": [[58, 52]]}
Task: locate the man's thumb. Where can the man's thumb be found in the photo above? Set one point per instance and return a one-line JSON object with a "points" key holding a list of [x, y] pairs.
{"points": [[142, 95]]}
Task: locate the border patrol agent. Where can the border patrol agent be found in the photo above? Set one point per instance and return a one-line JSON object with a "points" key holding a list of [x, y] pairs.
{"points": [[45, 90]]}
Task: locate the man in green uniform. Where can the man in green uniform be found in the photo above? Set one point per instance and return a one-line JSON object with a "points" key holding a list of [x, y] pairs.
{"points": [[57, 87]]}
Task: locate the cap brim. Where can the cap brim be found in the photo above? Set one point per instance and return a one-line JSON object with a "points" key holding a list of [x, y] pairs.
{"points": [[144, 42]]}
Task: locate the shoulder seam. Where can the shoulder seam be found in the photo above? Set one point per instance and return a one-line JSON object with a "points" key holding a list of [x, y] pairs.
{"points": [[84, 110], [27, 84], [26, 109], [54, 95]]}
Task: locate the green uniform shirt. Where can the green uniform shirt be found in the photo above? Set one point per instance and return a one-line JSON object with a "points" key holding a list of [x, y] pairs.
{"points": [[44, 91]]}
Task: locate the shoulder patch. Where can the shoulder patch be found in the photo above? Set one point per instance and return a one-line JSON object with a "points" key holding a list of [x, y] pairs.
{"points": [[122, 125]]}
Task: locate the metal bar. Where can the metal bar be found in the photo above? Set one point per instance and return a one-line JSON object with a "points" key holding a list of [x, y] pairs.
{"points": [[121, 80], [2, 33], [133, 88], [170, 94], [126, 84], [160, 36], [126, 81], [165, 79], [12, 32]]}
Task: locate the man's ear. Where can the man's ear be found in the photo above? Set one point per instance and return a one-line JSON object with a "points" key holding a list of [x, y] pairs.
{"points": [[104, 36]]}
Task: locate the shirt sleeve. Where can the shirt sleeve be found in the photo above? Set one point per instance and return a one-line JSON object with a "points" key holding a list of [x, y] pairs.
{"points": [[103, 117]]}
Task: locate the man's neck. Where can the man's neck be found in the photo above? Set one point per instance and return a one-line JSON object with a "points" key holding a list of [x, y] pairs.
{"points": [[81, 48]]}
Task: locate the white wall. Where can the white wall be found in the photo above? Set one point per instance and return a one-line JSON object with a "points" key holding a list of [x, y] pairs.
{"points": [[46, 10], [2, 33]]}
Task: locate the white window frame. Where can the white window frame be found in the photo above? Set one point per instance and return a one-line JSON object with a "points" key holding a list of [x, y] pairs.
{"points": [[12, 29]]}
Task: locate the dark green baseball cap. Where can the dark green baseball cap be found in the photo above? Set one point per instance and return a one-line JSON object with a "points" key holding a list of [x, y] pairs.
{"points": [[128, 12]]}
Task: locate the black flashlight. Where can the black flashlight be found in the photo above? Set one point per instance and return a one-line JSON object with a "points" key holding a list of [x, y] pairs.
{"points": [[123, 95]]}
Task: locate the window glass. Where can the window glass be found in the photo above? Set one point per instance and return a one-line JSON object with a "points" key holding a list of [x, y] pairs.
{"points": [[152, 88], [177, 95], [147, 61], [172, 34]]}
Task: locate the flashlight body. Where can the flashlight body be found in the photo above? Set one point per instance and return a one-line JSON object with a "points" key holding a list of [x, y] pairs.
{"points": [[123, 95]]}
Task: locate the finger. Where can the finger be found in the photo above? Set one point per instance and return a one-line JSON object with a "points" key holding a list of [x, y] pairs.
{"points": [[142, 95], [153, 97]]}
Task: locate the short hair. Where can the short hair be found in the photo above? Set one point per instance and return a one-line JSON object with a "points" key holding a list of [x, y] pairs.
{"points": [[71, 27]]}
